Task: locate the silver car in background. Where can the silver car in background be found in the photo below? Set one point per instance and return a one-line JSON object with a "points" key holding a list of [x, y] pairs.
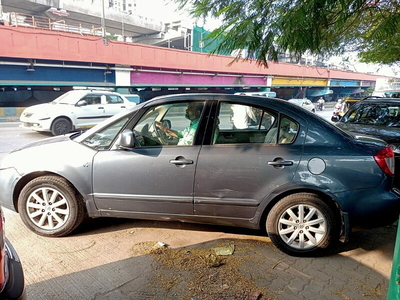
{"points": [[304, 103]]}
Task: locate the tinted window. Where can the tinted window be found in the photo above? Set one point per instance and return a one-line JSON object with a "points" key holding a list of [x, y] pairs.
{"points": [[114, 99], [92, 99], [239, 123], [287, 130]]}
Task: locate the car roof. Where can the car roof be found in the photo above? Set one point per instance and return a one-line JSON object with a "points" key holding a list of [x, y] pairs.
{"points": [[92, 91], [273, 103], [381, 100], [248, 99]]}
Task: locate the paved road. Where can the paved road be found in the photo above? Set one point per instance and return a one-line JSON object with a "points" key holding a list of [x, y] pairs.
{"points": [[110, 259]]}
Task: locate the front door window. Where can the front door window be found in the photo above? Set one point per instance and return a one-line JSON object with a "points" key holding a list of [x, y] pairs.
{"points": [[171, 124]]}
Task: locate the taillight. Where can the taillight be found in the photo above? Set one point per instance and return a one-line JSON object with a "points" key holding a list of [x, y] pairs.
{"points": [[385, 160]]}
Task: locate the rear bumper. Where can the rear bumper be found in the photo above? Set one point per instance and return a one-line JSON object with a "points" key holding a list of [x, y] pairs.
{"points": [[15, 284], [372, 208], [396, 180]]}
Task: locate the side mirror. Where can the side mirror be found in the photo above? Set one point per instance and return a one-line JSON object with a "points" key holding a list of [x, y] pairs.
{"points": [[82, 103], [126, 140], [167, 124], [335, 118]]}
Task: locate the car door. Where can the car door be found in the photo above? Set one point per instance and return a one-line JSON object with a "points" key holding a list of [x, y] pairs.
{"points": [[113, 104], [243, 166], [156, 177], [91, 113]]}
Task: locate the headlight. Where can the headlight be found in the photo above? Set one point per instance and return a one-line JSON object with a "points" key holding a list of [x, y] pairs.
{"points": [[37, 116], [396, 148], [27, 114]]}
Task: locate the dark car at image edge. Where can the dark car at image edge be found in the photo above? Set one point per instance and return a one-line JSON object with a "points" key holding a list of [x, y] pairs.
{"points": [[376, 117], [209, 158], [12, 282]]}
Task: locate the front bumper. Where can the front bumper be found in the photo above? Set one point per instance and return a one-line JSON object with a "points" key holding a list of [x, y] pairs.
{"points": [[37, 125], [15, 284]]}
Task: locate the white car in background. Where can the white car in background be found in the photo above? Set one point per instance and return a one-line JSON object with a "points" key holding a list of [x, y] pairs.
{"points": [[304, 103], [74, 110], [133, 98]]}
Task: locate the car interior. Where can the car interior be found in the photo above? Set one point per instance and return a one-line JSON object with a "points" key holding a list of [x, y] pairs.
{"points": [[262, 129]]}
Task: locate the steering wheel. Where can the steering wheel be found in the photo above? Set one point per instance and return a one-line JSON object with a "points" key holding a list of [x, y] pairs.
{"points": [[161, 136]]}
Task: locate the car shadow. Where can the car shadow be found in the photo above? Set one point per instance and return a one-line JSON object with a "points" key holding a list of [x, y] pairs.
{"points": [[365, 239]]}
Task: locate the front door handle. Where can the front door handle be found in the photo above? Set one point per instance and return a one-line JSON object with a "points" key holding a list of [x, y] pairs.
{"points": [[180, 161], [100, 107]]}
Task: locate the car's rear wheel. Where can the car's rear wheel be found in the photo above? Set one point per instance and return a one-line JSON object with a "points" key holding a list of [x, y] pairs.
{"points": [[49, 206], [61, 126], [302, 225]]}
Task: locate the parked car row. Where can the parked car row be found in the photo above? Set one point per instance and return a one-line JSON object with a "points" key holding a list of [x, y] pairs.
{"points": [[182, 158], [12, 281]]}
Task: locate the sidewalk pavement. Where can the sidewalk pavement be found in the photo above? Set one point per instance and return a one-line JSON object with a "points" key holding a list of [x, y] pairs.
{"points": [[10, 114], [9, 119]]}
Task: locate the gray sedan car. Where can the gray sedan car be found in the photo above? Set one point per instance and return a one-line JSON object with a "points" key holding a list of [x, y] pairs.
{"points": [[209, 158]]}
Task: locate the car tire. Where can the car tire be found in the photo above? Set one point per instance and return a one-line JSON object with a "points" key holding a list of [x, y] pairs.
{"points": [[50, 206], [302, 225], [61, 126]]}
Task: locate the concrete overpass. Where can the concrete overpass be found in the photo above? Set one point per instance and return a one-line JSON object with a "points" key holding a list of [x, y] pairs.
{"points": [[140, 29]]}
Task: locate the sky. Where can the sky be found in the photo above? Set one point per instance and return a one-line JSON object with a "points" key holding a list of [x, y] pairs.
{"points": [[169, 12]]}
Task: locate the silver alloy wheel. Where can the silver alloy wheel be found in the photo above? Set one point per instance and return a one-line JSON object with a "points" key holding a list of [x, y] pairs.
{"points": [[47, 208], [302, 226]]}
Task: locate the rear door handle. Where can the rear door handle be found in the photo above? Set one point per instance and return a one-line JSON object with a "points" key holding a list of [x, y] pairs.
{"points": [[100, 107], [280, 163]]}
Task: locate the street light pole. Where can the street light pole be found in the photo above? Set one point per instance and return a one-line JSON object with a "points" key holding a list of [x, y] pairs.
{"points": [[122, 28], [122, 25], [1, 11], [103, 21]]}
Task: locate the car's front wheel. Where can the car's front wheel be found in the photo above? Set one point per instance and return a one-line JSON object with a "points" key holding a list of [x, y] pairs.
{"points": [[61, 126], [302, 225], [49, 206]]}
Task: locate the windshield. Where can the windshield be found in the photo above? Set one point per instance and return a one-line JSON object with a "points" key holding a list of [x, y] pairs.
{"points": [[102, 139], [384, 114], [68, 98]]}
